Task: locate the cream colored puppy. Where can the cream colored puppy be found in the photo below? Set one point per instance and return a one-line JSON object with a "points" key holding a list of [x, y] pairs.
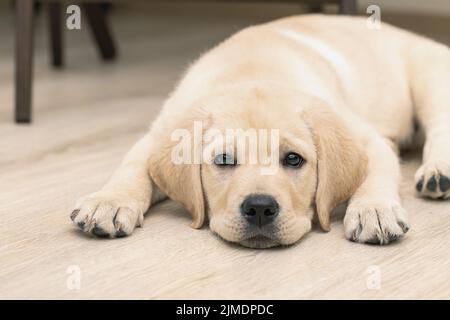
{"points": [[342, 98]]}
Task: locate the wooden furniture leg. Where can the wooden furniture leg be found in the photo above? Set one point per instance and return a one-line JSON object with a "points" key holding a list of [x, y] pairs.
{"points": [[56, 33], [23, 60], [97, 21], [348, 7]]}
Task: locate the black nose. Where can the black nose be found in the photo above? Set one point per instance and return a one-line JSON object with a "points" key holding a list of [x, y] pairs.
{"points": [[259, 209]]}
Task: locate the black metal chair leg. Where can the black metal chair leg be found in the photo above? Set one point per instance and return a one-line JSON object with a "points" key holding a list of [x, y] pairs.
{"points": [[97, 21], [23, 60], [56, 33], [348, 7]]}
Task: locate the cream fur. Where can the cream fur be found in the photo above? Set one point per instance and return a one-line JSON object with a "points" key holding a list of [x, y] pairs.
{"points": [[344, 95]]}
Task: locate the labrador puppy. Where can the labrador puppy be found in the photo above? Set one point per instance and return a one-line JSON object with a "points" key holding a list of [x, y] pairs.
{"points": [[341, 98]]}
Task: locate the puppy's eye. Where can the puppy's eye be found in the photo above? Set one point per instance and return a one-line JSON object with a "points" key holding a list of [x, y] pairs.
{"points": [[224, 160], [293, 159]]}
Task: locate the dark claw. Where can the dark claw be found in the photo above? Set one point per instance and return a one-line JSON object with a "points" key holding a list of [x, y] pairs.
{"points": [[81, 225], [120, 233], [356, 233], [392, 237], [444, 183], [99, 231], [432, 184], [419, 185], [74, 214], [404, 227]]}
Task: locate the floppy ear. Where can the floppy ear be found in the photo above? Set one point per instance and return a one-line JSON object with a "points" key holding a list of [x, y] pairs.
{"points": [[341, 160], [179, 181]]}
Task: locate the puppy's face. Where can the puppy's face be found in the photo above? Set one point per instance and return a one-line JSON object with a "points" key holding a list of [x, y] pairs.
{"points": [[254, 202], [260, 211], [270, 159]]}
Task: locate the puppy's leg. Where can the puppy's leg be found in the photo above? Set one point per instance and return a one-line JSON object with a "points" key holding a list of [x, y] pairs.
{"points": [[374, 213], [119, 206], [430, 80]]}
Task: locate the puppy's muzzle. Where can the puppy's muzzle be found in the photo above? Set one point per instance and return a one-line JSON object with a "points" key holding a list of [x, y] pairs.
{"points": [[259, 209]]}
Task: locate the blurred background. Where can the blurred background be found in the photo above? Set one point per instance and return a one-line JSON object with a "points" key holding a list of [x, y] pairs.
{"points": [[153, 38]]}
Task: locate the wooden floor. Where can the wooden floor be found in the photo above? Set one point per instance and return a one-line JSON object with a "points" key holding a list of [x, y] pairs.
{"points": [[87, 115]]}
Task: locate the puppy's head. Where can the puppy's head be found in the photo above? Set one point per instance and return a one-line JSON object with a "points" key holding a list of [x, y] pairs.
{"points": [[269, 160]]}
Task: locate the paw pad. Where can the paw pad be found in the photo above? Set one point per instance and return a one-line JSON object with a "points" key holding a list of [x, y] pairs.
{"points": [[435, 186], [444, 183], [432, 184]]}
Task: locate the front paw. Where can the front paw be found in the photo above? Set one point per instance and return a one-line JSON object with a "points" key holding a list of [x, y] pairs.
{"points": [[106, 215], [378, 222], [433, 180]]}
